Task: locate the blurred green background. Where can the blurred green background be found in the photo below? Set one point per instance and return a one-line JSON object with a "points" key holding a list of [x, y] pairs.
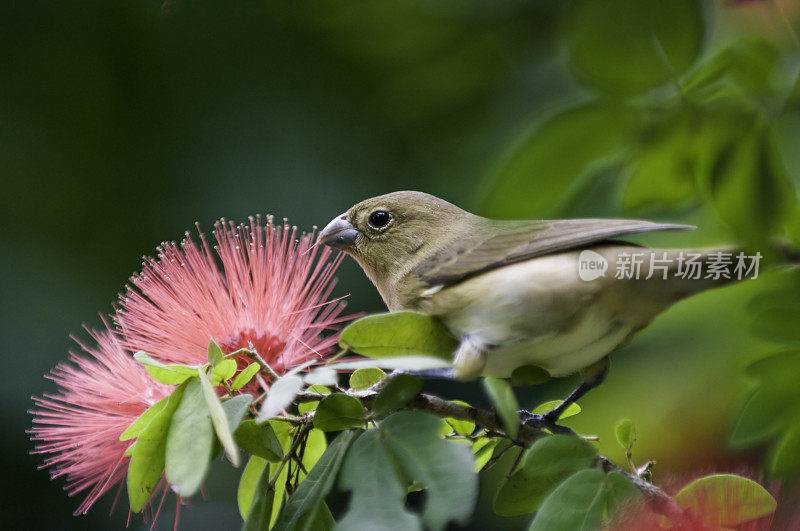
{"points": [[123, 125]]}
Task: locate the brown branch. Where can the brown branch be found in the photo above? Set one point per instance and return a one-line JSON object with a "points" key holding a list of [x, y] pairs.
{"points": [[658, 500]]}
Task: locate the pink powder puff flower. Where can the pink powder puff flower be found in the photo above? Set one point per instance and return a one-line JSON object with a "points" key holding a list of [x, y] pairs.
{"points": [[272, 294], [100, 393]]}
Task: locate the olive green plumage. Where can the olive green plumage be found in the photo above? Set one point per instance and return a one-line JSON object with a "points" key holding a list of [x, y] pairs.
{"points": [[510, 290]]}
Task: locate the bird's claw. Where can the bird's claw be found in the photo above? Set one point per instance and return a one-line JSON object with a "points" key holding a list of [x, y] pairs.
{"points": [[545, 421]]}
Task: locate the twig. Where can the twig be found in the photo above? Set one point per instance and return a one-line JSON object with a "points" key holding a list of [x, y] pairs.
{"points": [[256, 357]]}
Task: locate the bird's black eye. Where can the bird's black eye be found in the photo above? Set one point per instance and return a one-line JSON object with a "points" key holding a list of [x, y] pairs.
{"points": [[379, 219]]}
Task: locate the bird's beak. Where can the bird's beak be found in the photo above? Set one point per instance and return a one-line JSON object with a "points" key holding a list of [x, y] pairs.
{"points": [[339, 233]]}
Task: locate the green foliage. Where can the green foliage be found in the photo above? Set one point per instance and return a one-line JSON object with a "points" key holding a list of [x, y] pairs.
{"points": [[215, 354], [625, 431], [166, 374], [726, 500], [553, 163], [631, 46], [773, 412], [338, 412], [263, 501], [259, 440], [378, 494], [223, 370], [399, 333], [144, 419], [365, 378], [545, 464], [461, 427], [301, 509], [219, 419], [583, 501], [244, 377], [571, 410], [503, 399], [396, 393], [190, 442], [148, 457], [410, 440], [305, 407]]}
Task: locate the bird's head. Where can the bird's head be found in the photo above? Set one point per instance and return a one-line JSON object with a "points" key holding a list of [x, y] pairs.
{"points": [[385, 233]]}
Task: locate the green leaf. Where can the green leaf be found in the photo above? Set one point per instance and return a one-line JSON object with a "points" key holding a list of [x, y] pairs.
{"points": [[396, 393], [190, 442], [725, 500], [664, 171], [582, 501], [482, 450], [218, 418], [631, 46], [338, 412], [572, 409], [398, 334], [258, 516], [443, 468], [553, 163], [503, 399], [305, 407], [244, 377], [215, 354], [546, 464], [307, 499], [462, 427], [144, 419], [529, 375], [280, 395], [223, 370], [166, 374], [248, 484], [750, 187], [751, 63], [366, 378], [625, 431], [259, 439], [784, 461], [378, 494], [235, 409], [147, 459]]}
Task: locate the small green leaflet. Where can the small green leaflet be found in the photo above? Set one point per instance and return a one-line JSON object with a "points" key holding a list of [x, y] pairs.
{"points": [[166, 374], [260, 512], [583, 500], [215, 354], [218, 419], [224, 370], [398, 334], [338, 412], [306, 500], [572, 409], [366, 378], [259, 439], [148, 456], [503, 399], [244, 377], [190, 442], [545, 464], [140, 423], [625, 432], [396, 393]]}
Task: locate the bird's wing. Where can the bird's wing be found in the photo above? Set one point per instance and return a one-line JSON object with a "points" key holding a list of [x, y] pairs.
{"points": [[508, 242]]}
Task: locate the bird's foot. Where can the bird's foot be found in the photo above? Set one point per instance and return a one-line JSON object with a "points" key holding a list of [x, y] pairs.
{"points": [[545, 421]]}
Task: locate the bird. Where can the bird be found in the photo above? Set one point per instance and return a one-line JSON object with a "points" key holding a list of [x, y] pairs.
{"points": [[519, 293]]}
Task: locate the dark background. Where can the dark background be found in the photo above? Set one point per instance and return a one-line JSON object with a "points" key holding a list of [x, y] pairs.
{"points": [[122, 126]]}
